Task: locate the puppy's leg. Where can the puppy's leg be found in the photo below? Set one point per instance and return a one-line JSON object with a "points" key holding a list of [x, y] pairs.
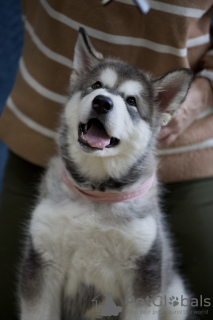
{"points": [[177, 305], [146, 284], [40, 288]]}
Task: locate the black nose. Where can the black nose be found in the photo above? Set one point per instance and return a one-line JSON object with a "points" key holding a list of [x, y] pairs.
{"points": [[102, 104]]}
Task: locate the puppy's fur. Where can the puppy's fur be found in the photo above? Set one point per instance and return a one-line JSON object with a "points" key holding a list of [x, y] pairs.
{"points": [[79, 249]]}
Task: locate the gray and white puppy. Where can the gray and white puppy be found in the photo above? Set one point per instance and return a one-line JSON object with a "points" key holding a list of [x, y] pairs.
{"points": [[79, 248]]}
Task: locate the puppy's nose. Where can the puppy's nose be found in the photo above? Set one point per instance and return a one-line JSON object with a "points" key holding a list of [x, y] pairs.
{"points": [[102, 104]]}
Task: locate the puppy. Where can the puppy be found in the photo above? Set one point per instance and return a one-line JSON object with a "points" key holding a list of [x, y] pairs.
{"points": [[97, 243]]}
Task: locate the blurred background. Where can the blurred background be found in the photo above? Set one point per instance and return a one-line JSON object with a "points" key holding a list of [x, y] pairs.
{"points": [[11, 42]]}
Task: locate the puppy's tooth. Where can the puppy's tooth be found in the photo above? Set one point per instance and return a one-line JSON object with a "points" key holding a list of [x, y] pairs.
{"points": [[82, 136]]}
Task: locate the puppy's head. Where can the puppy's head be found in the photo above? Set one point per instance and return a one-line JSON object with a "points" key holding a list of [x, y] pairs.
{"points": [[115, 110]]}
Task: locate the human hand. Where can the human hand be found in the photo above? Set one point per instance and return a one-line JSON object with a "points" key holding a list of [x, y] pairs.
{"points": [[199, 98]]}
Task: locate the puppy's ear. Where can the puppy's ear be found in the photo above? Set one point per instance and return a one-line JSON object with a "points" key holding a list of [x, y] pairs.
{"points": [[85, 55], [171, 91]]}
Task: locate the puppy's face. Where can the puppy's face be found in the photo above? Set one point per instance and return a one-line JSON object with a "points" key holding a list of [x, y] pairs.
{"points": [[115, 111], [111, 110]]}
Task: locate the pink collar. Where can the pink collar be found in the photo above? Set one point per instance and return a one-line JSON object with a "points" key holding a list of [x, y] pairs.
{"points": [[110, 197]]}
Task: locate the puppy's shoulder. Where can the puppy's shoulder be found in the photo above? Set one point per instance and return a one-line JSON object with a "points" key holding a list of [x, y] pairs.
{"points": [[51, 182]]}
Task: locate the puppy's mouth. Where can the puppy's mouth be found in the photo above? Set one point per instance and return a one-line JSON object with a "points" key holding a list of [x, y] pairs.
{"points": [[94, 135]]}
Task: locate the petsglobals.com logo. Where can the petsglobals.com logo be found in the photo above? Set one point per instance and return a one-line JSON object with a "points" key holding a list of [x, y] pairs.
{"points": [[106, 306], [173, 305], [160, 301]]}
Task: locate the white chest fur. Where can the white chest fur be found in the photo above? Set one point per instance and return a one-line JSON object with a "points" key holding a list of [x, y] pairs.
{"points": [[73, 236]]}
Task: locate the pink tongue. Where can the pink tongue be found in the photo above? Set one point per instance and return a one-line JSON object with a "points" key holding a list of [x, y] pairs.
{"points": [[97, 137]]}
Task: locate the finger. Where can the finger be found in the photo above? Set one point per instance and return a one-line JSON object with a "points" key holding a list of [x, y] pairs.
{"points": [[168, 140], [164, 133]]}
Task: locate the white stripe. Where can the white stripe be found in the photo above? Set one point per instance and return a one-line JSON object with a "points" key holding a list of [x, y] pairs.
{"points": [[44, 49], [121, 40], [170, 8], [193, 42], [182, 11], [38, 87], [205, 113], [207, 74], [193, 147], [29, 122]]}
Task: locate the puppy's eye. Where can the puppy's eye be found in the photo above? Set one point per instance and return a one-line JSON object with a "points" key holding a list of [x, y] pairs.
{"points": [[97, 85], [131, 101]]}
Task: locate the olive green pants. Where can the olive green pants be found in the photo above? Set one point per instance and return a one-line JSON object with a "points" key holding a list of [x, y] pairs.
{"points": [[18, 197], [189, 211]]}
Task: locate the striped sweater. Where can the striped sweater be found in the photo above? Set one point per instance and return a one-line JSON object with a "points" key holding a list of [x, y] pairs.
{"points": [[169, 36]]}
